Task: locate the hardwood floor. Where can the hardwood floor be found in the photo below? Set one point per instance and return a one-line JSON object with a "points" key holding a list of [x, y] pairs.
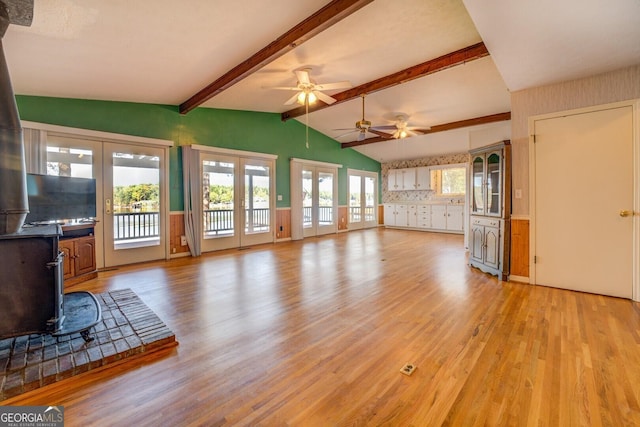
{"points": [[315, 332]]}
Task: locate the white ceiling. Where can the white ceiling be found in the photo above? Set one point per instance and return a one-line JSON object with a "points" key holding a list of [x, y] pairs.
{"points": [[161, 51]]}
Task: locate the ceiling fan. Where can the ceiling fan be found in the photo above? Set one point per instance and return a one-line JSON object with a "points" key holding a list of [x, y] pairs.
{"points": [[362, 127], [309, 91], [401, 127]]}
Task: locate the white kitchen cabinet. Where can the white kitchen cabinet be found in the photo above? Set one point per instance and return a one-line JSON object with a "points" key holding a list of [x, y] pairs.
{"points": [[394, 180], [455, 217], [439, 217], [423, 213], [423, 178], [412, 218], [409, 179], [397, 215], [390, 214]]}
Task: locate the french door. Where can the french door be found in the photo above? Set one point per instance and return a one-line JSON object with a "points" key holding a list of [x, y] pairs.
{"points": [[134, 190], [319, 200], [363, 196], [131, 194], [237, 201]]}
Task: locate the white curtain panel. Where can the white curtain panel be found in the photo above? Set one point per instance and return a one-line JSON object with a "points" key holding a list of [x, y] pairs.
{"points": [[191, 183], [35, 150]]}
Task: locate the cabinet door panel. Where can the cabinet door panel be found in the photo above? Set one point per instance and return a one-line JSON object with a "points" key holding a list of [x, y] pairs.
{"points": [[389, 214], [66, 247], [492, 246], [439, 217], [477, 235], [455, 218], [85, 260]]}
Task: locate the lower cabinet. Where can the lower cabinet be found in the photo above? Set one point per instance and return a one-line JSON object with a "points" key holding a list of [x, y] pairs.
{"points": [[486, 245], [430, 217], [79, 262]]}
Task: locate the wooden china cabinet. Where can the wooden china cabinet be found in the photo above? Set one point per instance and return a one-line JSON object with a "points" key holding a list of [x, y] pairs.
{"points": [[490, 219]]}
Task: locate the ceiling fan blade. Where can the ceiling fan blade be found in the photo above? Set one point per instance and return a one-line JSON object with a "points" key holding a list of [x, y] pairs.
{"points": [[348, 133], [384, 127], [380, 134], [303, 76], [324, 97], [331, 86], [292, 100], [280, 87]]}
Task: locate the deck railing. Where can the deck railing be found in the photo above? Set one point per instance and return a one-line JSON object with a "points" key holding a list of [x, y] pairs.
{"points": [[220, 221], [136, 225]]}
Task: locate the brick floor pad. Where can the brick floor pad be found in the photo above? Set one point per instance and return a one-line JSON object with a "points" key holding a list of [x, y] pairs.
{"points": [[128, 328]]}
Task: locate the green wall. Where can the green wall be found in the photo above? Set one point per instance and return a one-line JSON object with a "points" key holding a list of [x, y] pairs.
{"points": [[240, 130]]}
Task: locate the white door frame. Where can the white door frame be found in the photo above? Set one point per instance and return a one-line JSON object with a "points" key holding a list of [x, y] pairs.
{"points": [[101, 136], [295, 179], [635, 105], [363, 175]]}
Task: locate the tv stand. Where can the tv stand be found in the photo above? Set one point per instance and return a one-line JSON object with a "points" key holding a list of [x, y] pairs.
{"points": [[78, 243]]}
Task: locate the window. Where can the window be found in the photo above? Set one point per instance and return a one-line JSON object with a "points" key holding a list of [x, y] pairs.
{"points": [[449, 181]]}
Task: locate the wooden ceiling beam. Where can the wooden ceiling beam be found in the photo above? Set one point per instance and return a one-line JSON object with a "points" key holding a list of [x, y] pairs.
{"points": [[324, 18], [469, 53], [440, 128]]}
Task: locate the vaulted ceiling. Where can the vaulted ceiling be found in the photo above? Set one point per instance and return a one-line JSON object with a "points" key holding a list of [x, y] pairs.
{"points": [[395, 51]]}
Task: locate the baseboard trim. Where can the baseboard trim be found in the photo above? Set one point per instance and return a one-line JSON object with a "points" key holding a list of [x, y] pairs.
{"points": [[520, 279]]}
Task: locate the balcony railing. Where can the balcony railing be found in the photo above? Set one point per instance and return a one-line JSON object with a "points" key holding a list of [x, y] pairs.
{"points": [[220, 221], [136, 225], [325, 215], [355, 212]]}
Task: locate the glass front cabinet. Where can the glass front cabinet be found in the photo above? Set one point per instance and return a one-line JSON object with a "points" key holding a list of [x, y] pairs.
{"points": [[490, 208]]}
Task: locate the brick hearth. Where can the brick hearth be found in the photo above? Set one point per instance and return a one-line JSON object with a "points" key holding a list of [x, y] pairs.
{"points": [[128, 328]]}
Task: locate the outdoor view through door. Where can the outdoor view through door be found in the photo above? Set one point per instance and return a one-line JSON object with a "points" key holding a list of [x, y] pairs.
{"points": [[318, 193], [133, 198], [362, 199], [236, 201], [129, 194]]}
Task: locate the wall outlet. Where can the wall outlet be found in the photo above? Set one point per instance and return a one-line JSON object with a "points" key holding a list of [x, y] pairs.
{"points": [[183, 240], [518, 194], [279, 197]]}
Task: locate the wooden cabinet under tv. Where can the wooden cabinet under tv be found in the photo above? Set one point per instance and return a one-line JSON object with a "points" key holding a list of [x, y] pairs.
{"points": [[78, 244]]}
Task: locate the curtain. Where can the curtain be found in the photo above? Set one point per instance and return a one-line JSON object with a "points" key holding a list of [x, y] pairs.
{"points": [[191, 184], [297, 231], [35, 150]]}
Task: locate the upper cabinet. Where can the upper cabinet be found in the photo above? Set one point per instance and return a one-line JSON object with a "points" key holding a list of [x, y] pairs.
{"points": [[490, 174], [409, 179]]}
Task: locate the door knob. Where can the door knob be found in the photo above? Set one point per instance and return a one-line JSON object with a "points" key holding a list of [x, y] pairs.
{"points": [[626, 213]]}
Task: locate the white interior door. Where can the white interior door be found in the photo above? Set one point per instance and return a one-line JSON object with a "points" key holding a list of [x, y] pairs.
{"points": [[584, 175], [135, 204]]}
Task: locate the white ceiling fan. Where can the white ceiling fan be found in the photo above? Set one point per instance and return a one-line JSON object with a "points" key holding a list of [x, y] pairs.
{"points": [[401, 127], [309, 91]]}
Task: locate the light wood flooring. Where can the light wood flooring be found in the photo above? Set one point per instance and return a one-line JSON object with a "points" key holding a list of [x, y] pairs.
{"points": [[315, 332]]}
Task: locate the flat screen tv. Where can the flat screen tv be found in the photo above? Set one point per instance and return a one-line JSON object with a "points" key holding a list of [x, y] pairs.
{"points": [[58, 198]]}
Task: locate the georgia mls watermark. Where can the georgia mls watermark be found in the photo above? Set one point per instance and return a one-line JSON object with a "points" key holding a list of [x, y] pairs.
{"points": [[31, 416]]}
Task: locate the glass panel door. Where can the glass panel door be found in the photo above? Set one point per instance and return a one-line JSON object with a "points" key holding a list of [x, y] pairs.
{"points": [[319, 202], [134, 205], [219, 207], [258, 202], [355, 202], [83, 159], [370, 201], [237, 201], [477, 199], [493, 184]]}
